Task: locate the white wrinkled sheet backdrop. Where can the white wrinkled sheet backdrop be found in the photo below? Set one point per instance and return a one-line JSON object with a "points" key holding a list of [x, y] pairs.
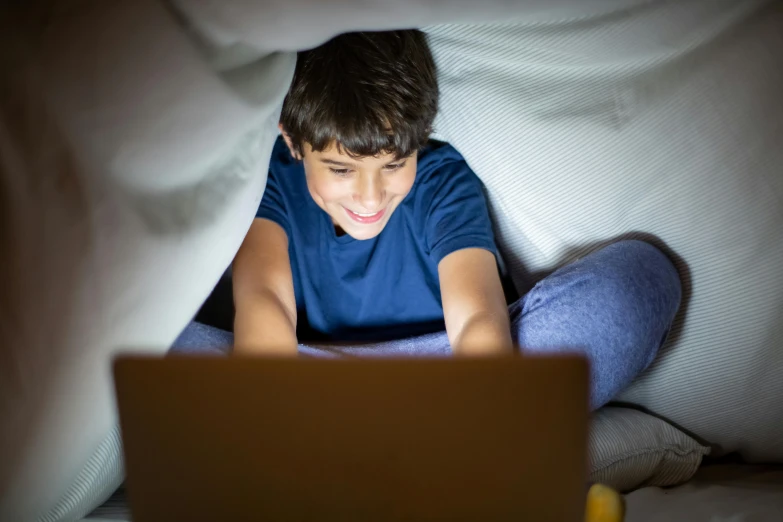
{"points": [[665, 121]]}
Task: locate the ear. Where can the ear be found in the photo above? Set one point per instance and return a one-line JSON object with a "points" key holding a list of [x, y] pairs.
{"points": [[288, 142]]}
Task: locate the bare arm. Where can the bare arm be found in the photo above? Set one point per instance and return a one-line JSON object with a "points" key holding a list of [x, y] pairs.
{"points": [[474, 306], [265, 322]]}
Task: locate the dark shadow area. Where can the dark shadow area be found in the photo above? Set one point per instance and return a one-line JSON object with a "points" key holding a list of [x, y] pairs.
{"points": [[218, 309]]}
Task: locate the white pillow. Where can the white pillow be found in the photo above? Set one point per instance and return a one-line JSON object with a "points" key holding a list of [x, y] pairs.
{"points": [[630, 449], [661, 122]]}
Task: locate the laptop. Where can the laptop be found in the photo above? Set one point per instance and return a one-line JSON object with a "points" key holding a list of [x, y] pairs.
{"points": [[370, 440]]}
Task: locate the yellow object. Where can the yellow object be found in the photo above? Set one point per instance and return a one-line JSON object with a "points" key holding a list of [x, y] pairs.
{"points": [[604, 505]]}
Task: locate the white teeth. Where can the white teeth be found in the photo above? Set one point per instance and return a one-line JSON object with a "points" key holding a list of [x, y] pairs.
{"points": [[365, 215]]}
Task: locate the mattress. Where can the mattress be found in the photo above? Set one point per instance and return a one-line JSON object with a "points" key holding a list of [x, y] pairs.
{"points": [[718, 493]]}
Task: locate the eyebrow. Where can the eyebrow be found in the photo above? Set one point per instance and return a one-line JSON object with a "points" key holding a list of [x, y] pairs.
{"points": [[336, 163]]}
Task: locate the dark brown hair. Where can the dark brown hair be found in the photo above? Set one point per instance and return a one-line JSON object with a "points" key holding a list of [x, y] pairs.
{"points": [[370, 92]]}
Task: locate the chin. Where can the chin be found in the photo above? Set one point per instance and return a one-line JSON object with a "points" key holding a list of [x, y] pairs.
{"points": [[363, 232], [364, 235]]}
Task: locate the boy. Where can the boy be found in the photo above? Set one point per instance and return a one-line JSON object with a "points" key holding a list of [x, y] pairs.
{"points": [[369, 232]]}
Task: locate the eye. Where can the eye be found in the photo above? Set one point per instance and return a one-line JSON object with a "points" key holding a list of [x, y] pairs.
{"points": [[394, 166], [340, 172]]}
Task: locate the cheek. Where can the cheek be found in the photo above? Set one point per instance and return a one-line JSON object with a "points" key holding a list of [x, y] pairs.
{"points": [[327, 188], [402, 183]]}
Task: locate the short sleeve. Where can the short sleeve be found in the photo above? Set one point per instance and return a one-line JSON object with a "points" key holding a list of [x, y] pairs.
{"points": [[458, 216], [273, 204]]}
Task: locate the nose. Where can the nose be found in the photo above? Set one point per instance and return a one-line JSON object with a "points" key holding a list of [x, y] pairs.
{"points": [[369, 193]]}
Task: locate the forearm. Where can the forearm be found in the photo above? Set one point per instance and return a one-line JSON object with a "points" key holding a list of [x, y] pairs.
{"points": [[484, 334], [263, 326]]}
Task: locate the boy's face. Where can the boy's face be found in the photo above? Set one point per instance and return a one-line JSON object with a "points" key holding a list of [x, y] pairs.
{"points": [[359, 194]]}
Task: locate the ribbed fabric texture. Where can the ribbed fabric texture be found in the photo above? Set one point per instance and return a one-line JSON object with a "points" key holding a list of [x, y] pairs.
{"points": [[662, 122], [115, 508], [101, 476], [630, 449]]}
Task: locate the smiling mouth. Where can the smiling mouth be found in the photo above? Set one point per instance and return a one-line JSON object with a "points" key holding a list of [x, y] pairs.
{"points": [[365, 219]]}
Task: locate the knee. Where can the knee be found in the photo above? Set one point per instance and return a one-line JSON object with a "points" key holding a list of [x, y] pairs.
{"points": [[640, 276], [639, 289], [643, 261]]}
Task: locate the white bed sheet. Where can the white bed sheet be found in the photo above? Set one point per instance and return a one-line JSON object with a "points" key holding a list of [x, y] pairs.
{"points": [[718, 493]]}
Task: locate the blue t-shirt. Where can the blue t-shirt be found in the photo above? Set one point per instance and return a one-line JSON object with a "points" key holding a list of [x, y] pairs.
{"points": [[386, 287]]}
